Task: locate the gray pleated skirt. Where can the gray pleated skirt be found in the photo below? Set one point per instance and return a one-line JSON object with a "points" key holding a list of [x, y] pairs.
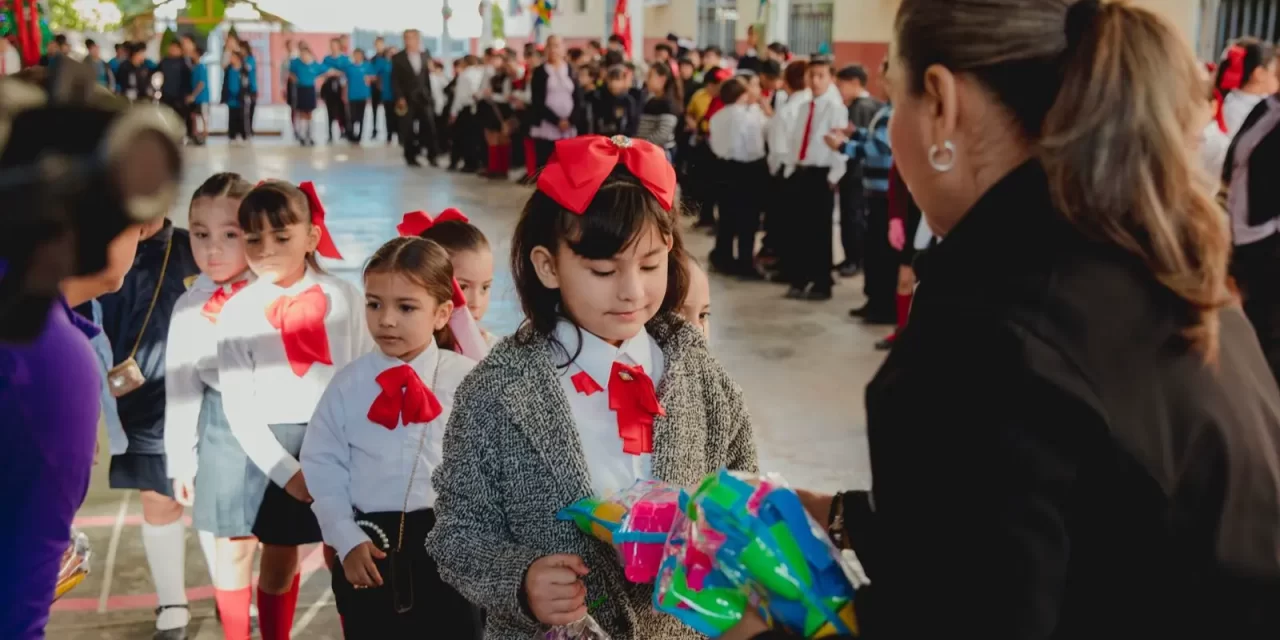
{"points": [[229, 487]]}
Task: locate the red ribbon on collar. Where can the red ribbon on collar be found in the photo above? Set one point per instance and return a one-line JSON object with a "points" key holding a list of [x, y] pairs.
{"points": [[579, 167], [219, 299], [326, 247], [300, 321], [632, 396], [404, 398], [416, 223]]}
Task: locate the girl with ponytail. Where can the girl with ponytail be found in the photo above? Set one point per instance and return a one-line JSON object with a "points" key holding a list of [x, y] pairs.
{"points": [[1245, 75], [1075, 434]]}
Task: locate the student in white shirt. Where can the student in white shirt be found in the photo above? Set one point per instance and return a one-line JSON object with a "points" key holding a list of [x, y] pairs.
{"points": [[281, 341], [376, 437], [470, 253], [737, 140], [466, 131], [813, 182], [200, 449]]}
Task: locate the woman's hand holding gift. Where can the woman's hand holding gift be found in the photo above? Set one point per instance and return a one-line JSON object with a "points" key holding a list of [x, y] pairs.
{"points": [[553, 586]]}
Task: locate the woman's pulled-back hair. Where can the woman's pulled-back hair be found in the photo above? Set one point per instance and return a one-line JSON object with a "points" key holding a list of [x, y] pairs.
{"points": [[1106, 93], [276, 204], [226, 184], [620, 213], [424, 263], [456, 236]]}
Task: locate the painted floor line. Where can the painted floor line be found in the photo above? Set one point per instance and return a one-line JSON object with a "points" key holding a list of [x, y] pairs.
{"points": [[312, 611], [96, 522], [112, 548]]}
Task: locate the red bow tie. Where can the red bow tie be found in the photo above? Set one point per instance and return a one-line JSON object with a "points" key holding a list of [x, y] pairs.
{"points": [[632, 396], [219, 298], [300, 321], [403, 399], [585, 384]]}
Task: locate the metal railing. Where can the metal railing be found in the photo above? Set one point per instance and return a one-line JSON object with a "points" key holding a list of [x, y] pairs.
{"points": [[1240, 18], [810, 26], [718, 24]]}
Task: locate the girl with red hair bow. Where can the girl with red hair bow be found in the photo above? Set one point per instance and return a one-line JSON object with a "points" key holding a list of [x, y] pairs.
{"points": [[470, 254], [281, 341], [1245, 75], [603, 385]]}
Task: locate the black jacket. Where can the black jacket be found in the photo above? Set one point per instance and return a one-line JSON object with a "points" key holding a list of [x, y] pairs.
{"points": [[123, 313], [538, 94], [1263, 193], [415, 88], [613, 115], [1051, 460]]}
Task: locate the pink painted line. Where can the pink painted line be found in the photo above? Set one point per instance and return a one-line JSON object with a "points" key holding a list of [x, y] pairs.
{"points": [[311, 562], [90, 522]]}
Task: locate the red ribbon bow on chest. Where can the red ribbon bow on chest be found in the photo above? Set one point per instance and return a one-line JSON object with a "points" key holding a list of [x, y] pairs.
{"points": [[214, 305], [579, 167], [404, 398], [416, 223], [300, 321], [633, 397]]}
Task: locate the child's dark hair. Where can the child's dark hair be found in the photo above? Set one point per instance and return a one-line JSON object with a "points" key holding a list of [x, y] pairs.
{"points": [[616, 72], [770, 69], [818, 61], [673, 89], [732, 90], [456, 236], [620, 212], [276, 204], [1256, 54], [793, 76], [227, 184], [853, 72], [426, 264]]}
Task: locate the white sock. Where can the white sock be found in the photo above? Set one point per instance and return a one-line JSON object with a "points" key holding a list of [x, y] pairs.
{"points": [[209, 546], [166, 548]]}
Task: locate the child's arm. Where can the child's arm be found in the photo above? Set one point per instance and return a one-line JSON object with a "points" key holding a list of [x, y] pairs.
{"points": [[183, 393], [471, 541], [240, 401], [326, 464]]}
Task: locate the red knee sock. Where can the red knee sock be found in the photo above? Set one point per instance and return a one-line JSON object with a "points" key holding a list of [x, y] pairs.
{"points": [[233, 606], [494, 159], [275, 612], [506, 158], [904, 309], [530, 157]]}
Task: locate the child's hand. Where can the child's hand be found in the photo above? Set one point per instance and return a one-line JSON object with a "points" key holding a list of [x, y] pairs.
{"points": [[297, 487], [555, 590], [184, 491], [835, 139], [897, 234], [359, 567]]}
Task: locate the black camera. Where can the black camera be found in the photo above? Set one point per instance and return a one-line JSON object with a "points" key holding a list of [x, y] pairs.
{"points": [[78, 166]]}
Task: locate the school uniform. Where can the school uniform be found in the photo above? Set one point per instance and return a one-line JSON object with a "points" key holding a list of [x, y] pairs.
{"points": [[235, 94], [862, 111], [532, 432], [383, 95], [773, 245], [274, 361], [492, 115], [305, 75], [816, 168], [177, 84], [334, 94], [200, 101], [613, 115], [251, 109], [368, 458], [358, 95], [738, 142], [134, 82], [464, 150], [198, 441], [658, 122], [871, 146]]}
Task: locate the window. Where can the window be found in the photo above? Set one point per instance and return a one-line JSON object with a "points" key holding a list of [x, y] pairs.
{"points": [[809, 27], [718, 24], [1240, 18], [513, 7]]}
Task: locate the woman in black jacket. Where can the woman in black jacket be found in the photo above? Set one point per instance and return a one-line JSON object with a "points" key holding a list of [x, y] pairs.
{"points": [[1076, 435], [556, 102]]}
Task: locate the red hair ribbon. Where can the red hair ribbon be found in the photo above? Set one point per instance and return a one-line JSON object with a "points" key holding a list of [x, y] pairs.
{"points": [[579, 167], [415, 223], [459, 299], [1232, 78], [326, 247]]}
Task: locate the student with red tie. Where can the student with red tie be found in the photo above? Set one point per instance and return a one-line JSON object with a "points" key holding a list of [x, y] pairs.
{"points": [[603, 385], [281, 341], [373, 443], [199, 447]]}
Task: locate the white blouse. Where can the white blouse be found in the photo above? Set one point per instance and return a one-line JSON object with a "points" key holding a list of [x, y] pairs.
{"points": [[259, 388], [611, 469], [352, 463], [190, 365], [738, 132], [829, 113]]}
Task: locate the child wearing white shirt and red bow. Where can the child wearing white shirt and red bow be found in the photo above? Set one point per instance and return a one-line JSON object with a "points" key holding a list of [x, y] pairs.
{"points": [[281, 341], [373, 442]]}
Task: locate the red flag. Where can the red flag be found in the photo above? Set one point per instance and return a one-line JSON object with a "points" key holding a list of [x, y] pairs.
{"points": [[622, 25]]}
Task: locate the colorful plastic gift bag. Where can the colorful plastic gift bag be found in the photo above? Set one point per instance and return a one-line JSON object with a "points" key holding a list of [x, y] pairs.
{"points": [[689, 585], [635, 521], [585, 629]]}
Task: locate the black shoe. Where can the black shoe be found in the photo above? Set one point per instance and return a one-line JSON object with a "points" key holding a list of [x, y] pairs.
{"points": [[433, 161], [847, 270], [817, 295], [413, 162], [795, 293], [179, 633], [880, 319], [860, 312], [885, 345]]}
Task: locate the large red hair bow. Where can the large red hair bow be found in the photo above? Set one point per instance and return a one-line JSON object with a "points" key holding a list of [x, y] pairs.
{"points": [[326, 247], [1232, 78], [416, 223], [580, 166]]}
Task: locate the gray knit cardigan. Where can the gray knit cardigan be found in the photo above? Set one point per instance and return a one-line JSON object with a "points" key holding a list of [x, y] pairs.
{"points": [[512, 458]]}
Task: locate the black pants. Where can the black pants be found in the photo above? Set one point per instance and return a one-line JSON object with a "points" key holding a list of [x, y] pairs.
{"points": [[337, 111], [252, 110], [880, 260], [542, 150], [237, 122], [393, 120], [741, 188], [703, 183], [375, 101], [355, 128], [437, 610], [852, 215], [417, 132], [811, 229], [468, 141], [1256, 268], [775, 197]]}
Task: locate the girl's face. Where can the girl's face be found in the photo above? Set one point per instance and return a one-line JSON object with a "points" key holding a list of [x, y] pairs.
{"points": [[656, 83], [474, 272], [216, 239], [697, 303], [401, 314], [280, 255], [753, 89], [611, 298]]}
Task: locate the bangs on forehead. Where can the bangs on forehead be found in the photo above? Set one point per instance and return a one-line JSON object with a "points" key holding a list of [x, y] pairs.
{"points": [[617, 218], [269, 208]]}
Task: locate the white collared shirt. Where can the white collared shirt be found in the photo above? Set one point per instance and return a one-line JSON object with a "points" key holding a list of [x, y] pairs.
{"points": [[829, 112], [737, 133], [190, 365], [464, 92], [611, 469], [415, 61], [259, 388], [352, 463]]}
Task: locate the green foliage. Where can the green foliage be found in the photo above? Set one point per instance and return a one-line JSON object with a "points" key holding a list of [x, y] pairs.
{"points": [[64, 17], [168, 37]]}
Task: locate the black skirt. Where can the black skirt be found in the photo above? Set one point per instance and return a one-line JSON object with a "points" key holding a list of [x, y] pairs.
{"points": [[290, 92], [493, 115], [142, 471], [412, 597], [305, 99], [282, 519]]}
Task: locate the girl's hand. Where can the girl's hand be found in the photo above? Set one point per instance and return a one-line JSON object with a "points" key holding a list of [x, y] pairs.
{"points": [[184, 491], [564, 125], [554, 588], [359, 566], [297, 487], [897, 234], [906, 280], [751, 626]]}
